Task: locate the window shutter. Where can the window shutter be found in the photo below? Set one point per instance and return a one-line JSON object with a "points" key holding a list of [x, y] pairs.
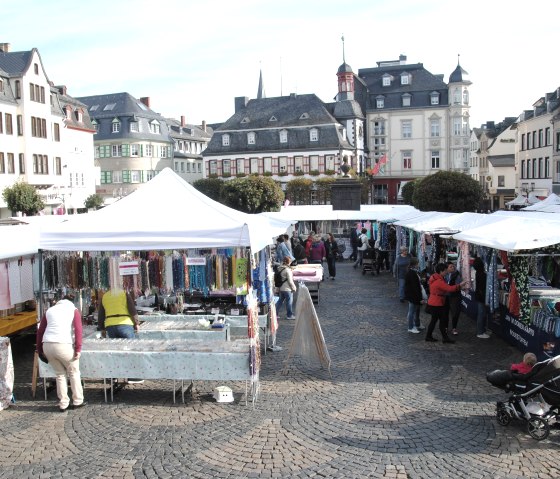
{"points": [[126, 176], [126, 150], [141, 150]]}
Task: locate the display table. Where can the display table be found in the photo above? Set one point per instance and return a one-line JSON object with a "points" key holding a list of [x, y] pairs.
{"points": [[238, 325], [182, 330], [311, 275], [175, 359], [17, 322]]}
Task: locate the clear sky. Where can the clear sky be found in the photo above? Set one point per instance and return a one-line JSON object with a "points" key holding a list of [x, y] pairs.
{"points": [[193, 57]]}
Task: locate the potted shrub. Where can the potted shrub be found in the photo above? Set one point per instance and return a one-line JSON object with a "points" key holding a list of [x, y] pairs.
{"points": [[314, 172]]}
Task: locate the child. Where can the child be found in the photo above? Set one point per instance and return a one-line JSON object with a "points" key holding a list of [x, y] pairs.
{"points": [[529, 360]]}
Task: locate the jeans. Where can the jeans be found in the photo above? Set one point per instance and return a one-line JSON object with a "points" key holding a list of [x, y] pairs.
{"points": [[359, 259], [60, 358], [481, 318], [401, 289], [413, 315], [287, 296], [124, 331]]}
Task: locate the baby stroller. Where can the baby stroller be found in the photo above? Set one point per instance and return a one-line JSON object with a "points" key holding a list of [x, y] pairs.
{"points": [[368, 261], [535, 397]]}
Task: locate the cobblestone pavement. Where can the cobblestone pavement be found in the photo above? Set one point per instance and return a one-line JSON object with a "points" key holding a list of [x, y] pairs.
{"points": [[396, 407]]}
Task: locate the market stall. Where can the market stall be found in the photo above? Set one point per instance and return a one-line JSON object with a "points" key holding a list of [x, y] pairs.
{"points": [[521, 256], [211, 252]]}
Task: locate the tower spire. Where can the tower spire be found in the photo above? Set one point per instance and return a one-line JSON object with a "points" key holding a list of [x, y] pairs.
{"points": [[343, 54], [260, 91]]}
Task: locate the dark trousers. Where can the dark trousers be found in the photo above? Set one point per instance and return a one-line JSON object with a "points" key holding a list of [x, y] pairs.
{"points": [[331, 263], [439, 314], [354, 254], [383, 258], [454, 303]]}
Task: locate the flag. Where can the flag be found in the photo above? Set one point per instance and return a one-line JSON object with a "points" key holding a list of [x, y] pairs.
{"points": [[378, 166]]}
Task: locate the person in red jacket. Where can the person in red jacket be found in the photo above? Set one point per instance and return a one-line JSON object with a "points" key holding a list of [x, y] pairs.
{"points": [[436, 302]]}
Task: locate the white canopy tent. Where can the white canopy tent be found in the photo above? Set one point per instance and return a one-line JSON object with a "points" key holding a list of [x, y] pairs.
{"points": [[18, 240], [552, 199], [326, 213], [450, 223], [165, 213], [519, 200], [514, 233]]}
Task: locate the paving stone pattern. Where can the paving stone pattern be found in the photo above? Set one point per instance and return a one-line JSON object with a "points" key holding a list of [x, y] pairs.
{"points": [[396, 407]]}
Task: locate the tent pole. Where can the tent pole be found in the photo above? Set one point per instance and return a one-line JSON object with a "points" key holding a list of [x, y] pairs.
{"points": [[40, 284]]}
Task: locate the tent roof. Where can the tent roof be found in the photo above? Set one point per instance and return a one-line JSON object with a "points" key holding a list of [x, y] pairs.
{"points": [[326, 213], [19, 240], [165, 213], [514, 233], [552, 199], [449, 223], [519, 200]]}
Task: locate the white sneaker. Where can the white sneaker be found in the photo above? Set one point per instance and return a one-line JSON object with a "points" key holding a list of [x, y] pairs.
{"points": [[291, 317], [413, 330], [483, 336]]}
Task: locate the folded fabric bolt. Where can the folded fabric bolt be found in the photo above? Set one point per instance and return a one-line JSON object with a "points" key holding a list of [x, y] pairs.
{"points": [[304, 273]]}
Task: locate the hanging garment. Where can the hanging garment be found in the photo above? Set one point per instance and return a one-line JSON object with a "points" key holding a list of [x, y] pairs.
{"points": [[14, 279], [26, 280], [4, 286]]}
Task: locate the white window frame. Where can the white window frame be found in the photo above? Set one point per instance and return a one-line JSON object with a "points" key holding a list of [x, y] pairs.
{"points": [[240, 165], [283, 136], [405, 79], [155, 127], [380, 102], [435, 128], [213, 167], [188, 167], [226, 167], [314, 163], [386, 80], [434, 99], [314, 134], [407, 159], [115, 126], [163, 151], [254, 165], [406, 129], [435, 159], [225, 140], [457, 126], [149, 150], [267, 164], [116, 151], [406, 99], [134, 127], [134, 150], [116, 176], [298, 163], [329, 162], [282, 164], [135, 176], [251, 138]]}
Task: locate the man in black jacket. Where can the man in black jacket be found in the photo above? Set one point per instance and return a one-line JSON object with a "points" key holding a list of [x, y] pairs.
{"points": [[415, 295]]}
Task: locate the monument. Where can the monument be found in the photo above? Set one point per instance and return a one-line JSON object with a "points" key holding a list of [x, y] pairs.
{"points": [[346, 192]]}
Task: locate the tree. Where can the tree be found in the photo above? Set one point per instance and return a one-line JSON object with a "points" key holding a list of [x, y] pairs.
{"points": [[447, 191], [323, 189], [22, 197], [253, 194], [298, 191], [211, 187], [407, 191], [93, 202]]}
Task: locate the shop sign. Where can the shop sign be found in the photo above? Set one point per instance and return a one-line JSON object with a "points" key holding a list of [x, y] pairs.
{"points": [[127, 268]]}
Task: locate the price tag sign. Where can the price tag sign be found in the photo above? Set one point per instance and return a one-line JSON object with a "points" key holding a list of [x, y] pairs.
{"points": [[234, 312], [215, 310], [196, 261], [127, 268]]}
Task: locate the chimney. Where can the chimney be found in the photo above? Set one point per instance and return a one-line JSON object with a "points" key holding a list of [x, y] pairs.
{"points": [[5, 47], [145, 100], [293, 95], [402, 59], [204, 125], [183, 123], [61, 89], [240, 103]]}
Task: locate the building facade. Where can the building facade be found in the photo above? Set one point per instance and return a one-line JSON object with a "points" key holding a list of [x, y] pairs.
{"points": [[189, 141], [285, 137], [132, 143], [537, 166], [46, 136], [416, 124]]}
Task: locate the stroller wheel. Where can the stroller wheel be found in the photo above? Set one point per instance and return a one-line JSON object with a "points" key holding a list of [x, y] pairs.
{"points": [[538, 428], [502, 416]]}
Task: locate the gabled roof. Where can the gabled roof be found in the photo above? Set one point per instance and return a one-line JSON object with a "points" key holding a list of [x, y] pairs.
{"points": [[267, 116], [15, 63], [188, 131]]}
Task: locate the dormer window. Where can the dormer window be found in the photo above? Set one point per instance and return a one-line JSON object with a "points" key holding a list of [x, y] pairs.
{"points": [[68, 111], [245, 120], [314, 134], [405, 79], [2, 85], [225, 140], [434, 98], [406, 99], [251, 138], [79, 116], [273, 118], [116, 125], [134, 127], [387, 80], [304, 116], [380, 102], [95, 124], [283, 136], [155, 127]]}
